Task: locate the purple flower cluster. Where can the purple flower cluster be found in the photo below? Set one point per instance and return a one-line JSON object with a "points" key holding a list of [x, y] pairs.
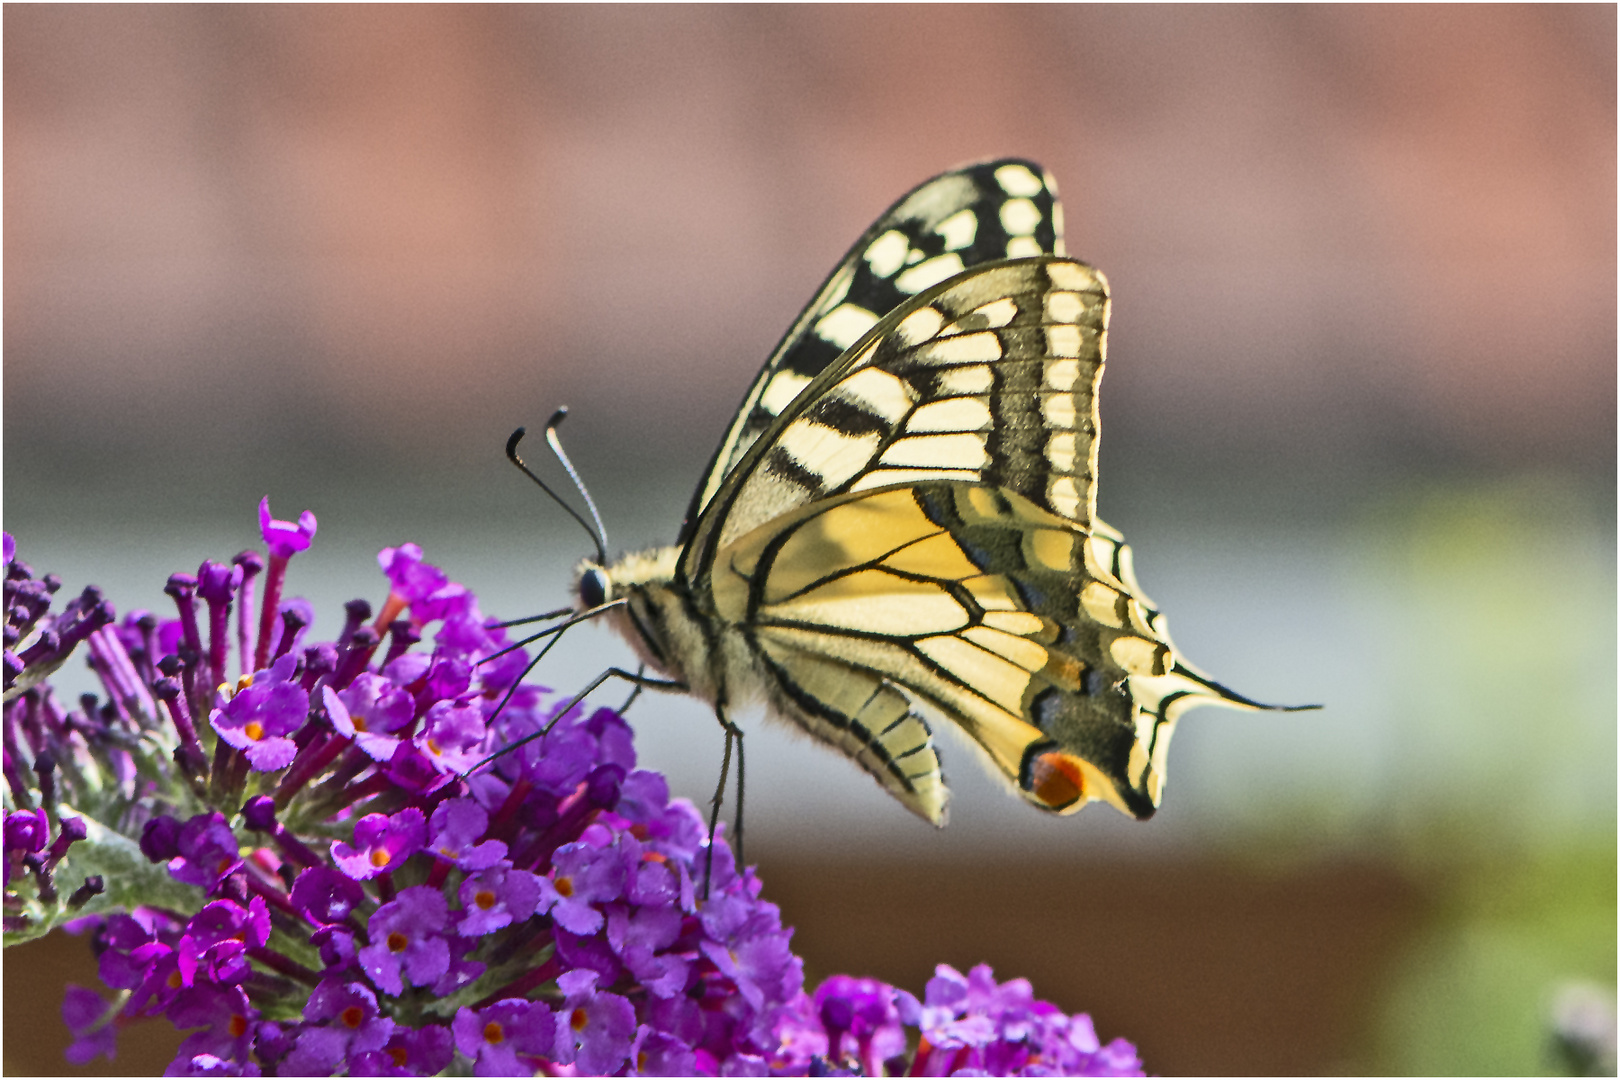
{"points": [[311, 870], [966, 1025]]}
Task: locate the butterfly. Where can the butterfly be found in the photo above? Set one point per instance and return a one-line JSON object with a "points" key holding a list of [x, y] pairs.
{"points": [[899, 528]]}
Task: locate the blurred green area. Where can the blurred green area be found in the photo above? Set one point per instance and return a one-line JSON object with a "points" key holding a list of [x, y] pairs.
{"points": [[1474, 993], [1495, 607]]}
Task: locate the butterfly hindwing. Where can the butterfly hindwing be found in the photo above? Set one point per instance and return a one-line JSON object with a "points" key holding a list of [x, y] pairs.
{"points": [[1006, 208]]}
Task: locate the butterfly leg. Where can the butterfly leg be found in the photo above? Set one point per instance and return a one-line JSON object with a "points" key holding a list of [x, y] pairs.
{"points": [[737, 822], [640, 686], [733, 732]]}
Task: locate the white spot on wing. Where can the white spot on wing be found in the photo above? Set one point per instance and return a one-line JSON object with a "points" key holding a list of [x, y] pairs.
{"points": [[1063, 340], [980, 348], [826, 452], [1018, 180], [1058, 410], [1075, 277], [877, 392], [965, 380], [1060, 451], [887, 253], [959, 229], [920, 325], [952, 414], [844, 325], [1023, 247], [1019, 217], [1062, 374], [1063, 307], [1064, 497], [959, 451], [781, 390], [929, 272]]}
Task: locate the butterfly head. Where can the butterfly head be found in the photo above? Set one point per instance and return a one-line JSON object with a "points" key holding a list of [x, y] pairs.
{"points": [[650, 613], [598, 582], [594, 586]]}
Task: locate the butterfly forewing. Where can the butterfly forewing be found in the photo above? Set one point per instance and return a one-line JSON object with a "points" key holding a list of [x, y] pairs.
{"points": [[1007, 208], [990, 377]]}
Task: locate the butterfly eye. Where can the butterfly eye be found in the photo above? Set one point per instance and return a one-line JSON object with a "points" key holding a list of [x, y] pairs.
{"points": [[593, 587]]}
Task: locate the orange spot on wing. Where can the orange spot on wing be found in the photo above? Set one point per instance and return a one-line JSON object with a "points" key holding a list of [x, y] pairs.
{"points": [[1057, 779]]}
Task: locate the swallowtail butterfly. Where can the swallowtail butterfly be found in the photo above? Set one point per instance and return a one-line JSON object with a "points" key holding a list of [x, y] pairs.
{"points": [[899, 529]]}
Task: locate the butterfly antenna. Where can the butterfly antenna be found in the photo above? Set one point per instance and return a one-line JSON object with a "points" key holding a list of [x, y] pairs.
{"points": [[512, 456], [573, 474]]}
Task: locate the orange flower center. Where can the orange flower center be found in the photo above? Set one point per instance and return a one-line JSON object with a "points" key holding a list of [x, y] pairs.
{"points": [[565, 886], [577, 1020], [380, 858], [493, 1033], [484, 899], [253, 730], [397, 942], [352, 1017]]}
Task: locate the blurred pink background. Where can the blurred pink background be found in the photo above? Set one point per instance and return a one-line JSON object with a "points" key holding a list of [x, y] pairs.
{"points": [[1344, 242]]}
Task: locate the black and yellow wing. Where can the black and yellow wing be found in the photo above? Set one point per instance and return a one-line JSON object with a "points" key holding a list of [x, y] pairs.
{"points": [[992, 210], [915, 536]]}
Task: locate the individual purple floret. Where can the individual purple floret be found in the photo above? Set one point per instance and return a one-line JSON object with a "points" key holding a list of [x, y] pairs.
{"points": [[595, 1028], [586, 875], [423, 1051], [369, 711], [498, 897], [381, 843], [342, 874], [509, 1038], [285, 538], [207, 852], [260, 718], [342, 1021], [407, 941], [457, 829], [862, 1019]]}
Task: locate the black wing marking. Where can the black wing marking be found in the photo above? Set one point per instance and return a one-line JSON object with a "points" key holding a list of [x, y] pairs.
{"points": [[1006, 208]]}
